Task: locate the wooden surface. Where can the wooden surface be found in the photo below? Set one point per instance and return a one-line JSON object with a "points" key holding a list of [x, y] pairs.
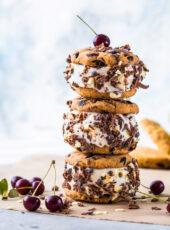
{"points": [[37, 166]]}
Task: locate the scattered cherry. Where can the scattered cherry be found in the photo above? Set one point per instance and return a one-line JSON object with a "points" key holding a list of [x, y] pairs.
{"points": [[168, 207], [14, 180], [34, 179], [40, 189], [23, 183], [31, 203], [101, 38], [157, 187], [54, 203]]}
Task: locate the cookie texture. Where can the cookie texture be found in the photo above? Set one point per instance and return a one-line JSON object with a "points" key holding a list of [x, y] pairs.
{"points": [[104, 56], [97, 161], [100, 133], [151, 158], [102, 105], [93, 93], [158, 135], [100, 185], [83, 197]]}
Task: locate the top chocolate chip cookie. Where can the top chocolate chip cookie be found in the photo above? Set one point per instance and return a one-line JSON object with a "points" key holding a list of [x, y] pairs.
{"points": [[104, 56]]}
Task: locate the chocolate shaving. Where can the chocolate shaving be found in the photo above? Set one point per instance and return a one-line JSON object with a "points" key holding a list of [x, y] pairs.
{"points": [[156, 208], [133, 205]]}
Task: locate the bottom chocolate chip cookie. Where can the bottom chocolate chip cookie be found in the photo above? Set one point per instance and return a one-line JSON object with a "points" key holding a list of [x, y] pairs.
{"points": [[100, 178]]}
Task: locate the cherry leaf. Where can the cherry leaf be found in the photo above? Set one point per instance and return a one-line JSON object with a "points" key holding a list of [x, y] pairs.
{"points": [[13, 193]]}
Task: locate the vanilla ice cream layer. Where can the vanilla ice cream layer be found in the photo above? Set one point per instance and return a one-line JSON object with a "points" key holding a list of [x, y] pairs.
{"points": [[123, 81], [86, 129], [112, 180]]}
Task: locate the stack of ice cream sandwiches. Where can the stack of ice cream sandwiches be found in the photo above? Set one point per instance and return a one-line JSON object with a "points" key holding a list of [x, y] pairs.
{"points": [[101, 124]]}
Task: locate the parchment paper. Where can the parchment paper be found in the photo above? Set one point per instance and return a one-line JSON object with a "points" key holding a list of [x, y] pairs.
{"points": [[37, 166]]}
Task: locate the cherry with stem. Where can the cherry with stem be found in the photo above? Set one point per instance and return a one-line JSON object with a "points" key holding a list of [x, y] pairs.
{"points": [[32, 203], [99, 38]]}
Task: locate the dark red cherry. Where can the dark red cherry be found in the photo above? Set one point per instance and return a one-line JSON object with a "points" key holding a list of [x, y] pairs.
{"points": [[31, 203], [168, 207], [14, 180], [157, 187], [54, 203], [23, 183], [101, 38], [40, 189], [34, 179]]}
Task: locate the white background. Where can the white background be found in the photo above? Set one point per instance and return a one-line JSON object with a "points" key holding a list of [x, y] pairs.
{"points": [[35, 38]]}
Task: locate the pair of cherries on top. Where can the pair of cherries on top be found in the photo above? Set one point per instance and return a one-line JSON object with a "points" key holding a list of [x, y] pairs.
{"points": [[24, 186]]}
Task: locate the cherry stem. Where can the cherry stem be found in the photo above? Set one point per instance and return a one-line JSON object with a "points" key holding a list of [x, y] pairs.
{"points": [[53, 162], [22, 188], [145, 186], [54, 177], [87, 25], [151, 196]]}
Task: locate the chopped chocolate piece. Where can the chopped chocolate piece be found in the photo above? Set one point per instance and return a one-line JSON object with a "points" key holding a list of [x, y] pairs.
{"points": [[168, 199], [156, 208], [92, 209], [68, 59], [42, 197], [61, 195], [133, 205], [56, 188], [67, 203], [87, 213], [93, 55], [154, 200], [80, 204]]}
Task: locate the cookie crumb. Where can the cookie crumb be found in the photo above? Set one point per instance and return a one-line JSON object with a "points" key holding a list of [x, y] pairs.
{"points": [[119, 210], [156, 208], [11, 208], [100, 212], [19, 201], [133, 205]]}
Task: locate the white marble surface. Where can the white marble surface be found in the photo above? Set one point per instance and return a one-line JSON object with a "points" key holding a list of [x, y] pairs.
{"points": [[37, 35]]}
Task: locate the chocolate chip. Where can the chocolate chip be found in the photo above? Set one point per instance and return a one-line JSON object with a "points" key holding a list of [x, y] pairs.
{"points": [[76, 55], [89, 155], [79, 149], [130, 58], [161, 165], [93, 55], [123, 160], [81, 103], [98, 63]]}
